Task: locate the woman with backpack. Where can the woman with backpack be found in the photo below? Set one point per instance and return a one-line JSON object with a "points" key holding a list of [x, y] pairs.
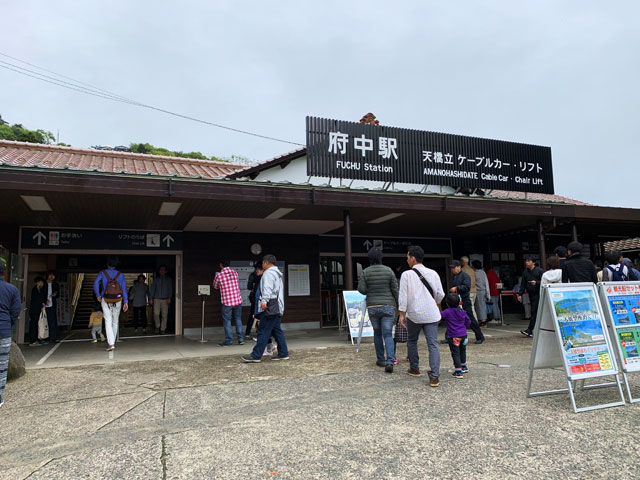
{"points": [[111, 291]]}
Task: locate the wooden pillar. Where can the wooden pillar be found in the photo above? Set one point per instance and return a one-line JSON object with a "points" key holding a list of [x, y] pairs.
{"points": [[574, 232], [348, 256], [543, 248]]}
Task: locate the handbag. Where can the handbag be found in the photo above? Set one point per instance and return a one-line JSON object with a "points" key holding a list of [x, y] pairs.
{"points": [[401, 335], [43, 325], [273, 307]]}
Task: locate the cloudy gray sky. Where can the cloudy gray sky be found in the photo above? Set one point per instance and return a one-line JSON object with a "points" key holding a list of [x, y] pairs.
{"points": [[557, 73]]}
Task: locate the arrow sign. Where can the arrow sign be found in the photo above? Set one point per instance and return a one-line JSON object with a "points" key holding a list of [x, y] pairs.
{"points": [[367, 244], [39, 237], [168, 239]]}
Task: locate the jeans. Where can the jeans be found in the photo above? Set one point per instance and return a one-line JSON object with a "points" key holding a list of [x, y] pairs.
{"points": [[459, 353], [382, 319], [140, 317], [466, 306], [431, 334], [111, 315], [52, 321], [268, 327], [5, 348], [496, 307], [535, 299], [227, 314]]}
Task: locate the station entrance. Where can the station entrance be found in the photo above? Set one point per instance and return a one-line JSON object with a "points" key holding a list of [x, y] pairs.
{"points": [[76, 274]]}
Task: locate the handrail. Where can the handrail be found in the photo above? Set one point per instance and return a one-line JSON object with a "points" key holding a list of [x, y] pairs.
{"points": [[76, 297]]}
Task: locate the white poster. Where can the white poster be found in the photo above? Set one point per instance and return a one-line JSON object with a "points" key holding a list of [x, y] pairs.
{"points": [[244, 269], [64, 313], [299, 283]]}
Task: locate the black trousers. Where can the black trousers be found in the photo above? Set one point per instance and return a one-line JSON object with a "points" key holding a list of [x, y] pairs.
{"points": [[250, 320], [34, 318], [459, 353], [535, 299], [140, 317], [466, 306]]}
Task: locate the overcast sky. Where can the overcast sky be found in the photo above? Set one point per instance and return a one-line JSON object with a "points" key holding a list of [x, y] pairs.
{"points": [[558, 73]]}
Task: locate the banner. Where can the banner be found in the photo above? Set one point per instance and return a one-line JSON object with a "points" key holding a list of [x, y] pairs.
{"points": [[356, 308]]}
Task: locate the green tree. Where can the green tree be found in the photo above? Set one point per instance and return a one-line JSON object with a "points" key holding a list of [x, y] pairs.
{"points": [[153, 150], [18, 133]]}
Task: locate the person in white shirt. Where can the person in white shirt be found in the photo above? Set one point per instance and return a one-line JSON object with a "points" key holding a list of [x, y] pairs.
{"points": [[553, 273], [418, 311]]}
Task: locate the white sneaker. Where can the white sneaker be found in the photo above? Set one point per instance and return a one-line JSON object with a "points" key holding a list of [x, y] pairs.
{"points": [[101, 337]]}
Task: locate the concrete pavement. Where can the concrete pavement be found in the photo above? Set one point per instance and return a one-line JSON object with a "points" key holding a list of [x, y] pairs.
{"points": [[327, 413]]}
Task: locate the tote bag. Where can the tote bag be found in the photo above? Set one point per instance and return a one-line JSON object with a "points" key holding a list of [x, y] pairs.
{"points": [[43, 325]]}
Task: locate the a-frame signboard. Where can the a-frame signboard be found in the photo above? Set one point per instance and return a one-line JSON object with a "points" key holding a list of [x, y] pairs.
{"points": [[571, 333]]}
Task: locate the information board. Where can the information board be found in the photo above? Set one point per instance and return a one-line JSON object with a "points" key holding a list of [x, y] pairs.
{"points": [[299, 281], [356, 312], [244, 269], [621, 301]]}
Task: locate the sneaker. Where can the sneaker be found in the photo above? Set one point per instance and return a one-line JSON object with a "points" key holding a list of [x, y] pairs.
{"points": [[255, 339], [95, 340], [380, 364], [241, 342], [483, 325], [224, 344], [389, 368], [395, 361], [456, 374], [102, 337], [110, 348], [250, 359], [444, 342], [280, 358], [434, 381], [526, 333], [414, 373], [479, 342], [1, 402], [465, 369], [35, 344]]}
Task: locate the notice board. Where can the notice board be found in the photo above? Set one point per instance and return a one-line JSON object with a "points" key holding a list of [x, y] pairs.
{"points": [[299, 280], [621, 302]]}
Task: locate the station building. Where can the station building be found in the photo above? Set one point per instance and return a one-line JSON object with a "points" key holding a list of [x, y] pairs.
{"points": [[65, 209]]}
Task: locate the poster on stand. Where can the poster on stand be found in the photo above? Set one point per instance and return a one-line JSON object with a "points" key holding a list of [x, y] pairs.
{"points": [[582, 332], [356, 311], [622, 307]]}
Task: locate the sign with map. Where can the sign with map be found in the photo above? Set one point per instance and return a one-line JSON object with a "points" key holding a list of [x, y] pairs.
{"points": [[582, 332], [622, 307]]}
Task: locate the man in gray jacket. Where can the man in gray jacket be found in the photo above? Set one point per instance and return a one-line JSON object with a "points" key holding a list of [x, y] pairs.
{"points": [[270, 316], [161, 293], [379, 284]]}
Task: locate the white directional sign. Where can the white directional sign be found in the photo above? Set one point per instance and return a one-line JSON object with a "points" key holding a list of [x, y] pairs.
{"points": [[39, 236]]}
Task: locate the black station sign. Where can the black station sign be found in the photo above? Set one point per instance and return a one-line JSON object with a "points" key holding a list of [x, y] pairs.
{"points": [[78, 239], [360, 245], [350, 150]]}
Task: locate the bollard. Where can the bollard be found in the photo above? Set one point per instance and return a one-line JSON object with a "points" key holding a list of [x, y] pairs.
{"points": [[202, 340]]}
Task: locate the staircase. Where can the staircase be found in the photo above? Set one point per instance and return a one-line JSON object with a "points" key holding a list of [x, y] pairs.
{"points": [[87, 299]]}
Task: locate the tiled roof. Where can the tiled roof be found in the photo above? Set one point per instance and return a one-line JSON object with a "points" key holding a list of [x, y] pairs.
{"points": [[34, 155], [623, 245], [252, 170], [534, 197]]}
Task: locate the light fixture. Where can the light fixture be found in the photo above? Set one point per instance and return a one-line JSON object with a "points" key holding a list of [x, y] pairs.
{"points": [[169, 209], [477, 222], [279, 213], [386, 217], [36, 203]]}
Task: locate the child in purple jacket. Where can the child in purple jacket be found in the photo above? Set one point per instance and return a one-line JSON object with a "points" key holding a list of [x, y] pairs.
{"points": [[457, 323]]}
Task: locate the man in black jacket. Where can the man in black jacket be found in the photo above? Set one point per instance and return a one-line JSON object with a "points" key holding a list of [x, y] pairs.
{"points": [[530, 283], [461, 284], [578, 268]]}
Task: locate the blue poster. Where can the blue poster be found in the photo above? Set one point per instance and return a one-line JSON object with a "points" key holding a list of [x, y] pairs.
{"points": [[356, 308]]}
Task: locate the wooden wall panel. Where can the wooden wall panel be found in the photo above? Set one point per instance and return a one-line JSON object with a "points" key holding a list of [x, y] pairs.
{"points": [[202, 251]]}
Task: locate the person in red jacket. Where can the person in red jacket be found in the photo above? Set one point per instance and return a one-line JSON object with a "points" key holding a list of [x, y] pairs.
{"points": [[494, 280]]}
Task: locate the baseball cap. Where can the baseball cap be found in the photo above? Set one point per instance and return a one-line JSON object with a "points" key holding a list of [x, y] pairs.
{"points": [[455, 263]]}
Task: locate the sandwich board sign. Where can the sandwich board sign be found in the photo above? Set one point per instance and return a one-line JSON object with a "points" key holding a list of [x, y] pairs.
{"points": [[571, 333], [621, 303], [355, 308]]}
